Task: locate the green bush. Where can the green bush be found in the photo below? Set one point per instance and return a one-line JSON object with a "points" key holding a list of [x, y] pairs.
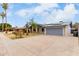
{"points": [[8, 26]]}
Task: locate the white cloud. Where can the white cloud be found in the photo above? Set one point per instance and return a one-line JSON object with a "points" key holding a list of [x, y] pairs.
{"points": [[39, 9], [70, 9], [67, 14], [56, 15], [44, 7], [23, 12]]}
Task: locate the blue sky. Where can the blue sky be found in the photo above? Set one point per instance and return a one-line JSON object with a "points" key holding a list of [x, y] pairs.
{"points": [[18, 14]]}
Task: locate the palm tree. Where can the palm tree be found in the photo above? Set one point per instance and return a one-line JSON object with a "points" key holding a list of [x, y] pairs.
{"points": [[34, 25], [3, 16], [5, 7], [27, 27]]}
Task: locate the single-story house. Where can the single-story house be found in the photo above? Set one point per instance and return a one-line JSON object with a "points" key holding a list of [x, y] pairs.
{"points": [[39, 28], [56, 29], [50, 29]]}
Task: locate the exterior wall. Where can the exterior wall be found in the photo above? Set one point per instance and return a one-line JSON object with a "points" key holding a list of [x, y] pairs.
{"points": [[66, 31], [45, 31]]}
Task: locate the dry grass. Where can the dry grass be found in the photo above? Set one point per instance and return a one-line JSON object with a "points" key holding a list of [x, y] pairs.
{"points": [[13, 36]]}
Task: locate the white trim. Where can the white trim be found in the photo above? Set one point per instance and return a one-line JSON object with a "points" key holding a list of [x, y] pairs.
{"points": [[64, 31], [45, 31]]}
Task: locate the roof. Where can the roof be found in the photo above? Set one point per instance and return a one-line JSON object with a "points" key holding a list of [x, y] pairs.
{"points": [[55, 25], [18, 28], [39, 25]]}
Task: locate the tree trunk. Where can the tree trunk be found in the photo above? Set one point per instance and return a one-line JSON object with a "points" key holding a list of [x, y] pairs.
{"points": [[27, 31], [32, 29], [36, 29], [2, 24], [5, 21]]}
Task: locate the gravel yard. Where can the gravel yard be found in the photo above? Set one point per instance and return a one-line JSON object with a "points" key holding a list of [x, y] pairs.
{"points": [[40, 45]]}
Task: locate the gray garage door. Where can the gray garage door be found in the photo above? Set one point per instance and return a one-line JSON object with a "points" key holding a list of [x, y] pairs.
{"points": [[54, 31]]}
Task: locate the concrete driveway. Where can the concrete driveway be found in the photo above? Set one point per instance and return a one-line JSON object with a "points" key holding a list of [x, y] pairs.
{"points": [[40, 45]]}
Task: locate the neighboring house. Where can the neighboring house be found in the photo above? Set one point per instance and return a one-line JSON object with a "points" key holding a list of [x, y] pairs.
{"points": [[75, 29], [18, 29], [78, 30], [56, 29]]}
